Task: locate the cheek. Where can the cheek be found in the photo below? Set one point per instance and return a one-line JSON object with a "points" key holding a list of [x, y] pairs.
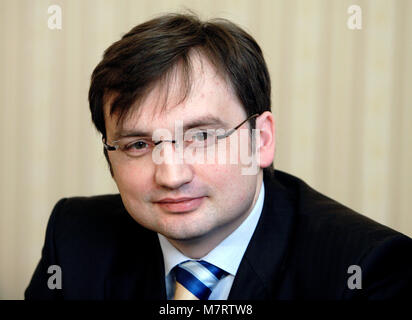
{"points": [[214, 174], [225, 180], [133, 183]]}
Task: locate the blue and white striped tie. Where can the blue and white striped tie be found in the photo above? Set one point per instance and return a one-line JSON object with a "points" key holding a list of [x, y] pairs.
{"points": [[196, 280]]}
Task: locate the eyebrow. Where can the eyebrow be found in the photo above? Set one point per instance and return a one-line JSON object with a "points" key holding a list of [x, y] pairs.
{"points": [[207, 120]]}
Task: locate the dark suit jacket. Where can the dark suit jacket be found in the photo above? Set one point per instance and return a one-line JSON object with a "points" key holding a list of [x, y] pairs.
{"points": [[302, 248]]}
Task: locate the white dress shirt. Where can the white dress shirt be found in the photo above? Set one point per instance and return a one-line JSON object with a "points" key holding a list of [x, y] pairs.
{"points": [[227, 255]]}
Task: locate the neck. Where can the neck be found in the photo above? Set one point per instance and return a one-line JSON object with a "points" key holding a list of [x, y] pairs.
{"points": [[199, 247]]}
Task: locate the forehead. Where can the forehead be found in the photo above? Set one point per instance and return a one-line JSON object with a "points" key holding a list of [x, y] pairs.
{"points": [[209, 95]]}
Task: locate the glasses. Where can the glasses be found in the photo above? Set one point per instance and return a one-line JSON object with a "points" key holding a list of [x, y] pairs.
{"points": [[194, 138]]}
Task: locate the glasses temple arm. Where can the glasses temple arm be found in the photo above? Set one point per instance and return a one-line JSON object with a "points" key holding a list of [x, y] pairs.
{"points": [[229, 132]]}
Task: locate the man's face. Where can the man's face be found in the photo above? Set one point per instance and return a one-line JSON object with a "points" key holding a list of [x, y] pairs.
{"points": [[218, 196]]}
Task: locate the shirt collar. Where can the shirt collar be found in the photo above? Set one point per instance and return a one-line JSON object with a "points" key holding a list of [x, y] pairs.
{"points": [[229, 253]]}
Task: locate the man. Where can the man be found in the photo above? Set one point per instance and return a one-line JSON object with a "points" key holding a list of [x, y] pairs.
{"points": [[171, 94]]}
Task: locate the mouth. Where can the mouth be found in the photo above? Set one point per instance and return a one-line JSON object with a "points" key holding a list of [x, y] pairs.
{"points": [[180, 204]]}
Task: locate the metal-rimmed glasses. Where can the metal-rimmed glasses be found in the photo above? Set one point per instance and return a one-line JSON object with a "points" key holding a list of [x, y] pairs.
{"points": [[194, 138]]}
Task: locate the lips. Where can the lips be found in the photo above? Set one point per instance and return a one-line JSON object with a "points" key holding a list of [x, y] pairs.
{"points": [[180, 204]]}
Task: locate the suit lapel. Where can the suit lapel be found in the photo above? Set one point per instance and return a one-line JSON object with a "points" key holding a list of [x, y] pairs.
{"points": [[138, 271], [261, 267], [139, 284]]}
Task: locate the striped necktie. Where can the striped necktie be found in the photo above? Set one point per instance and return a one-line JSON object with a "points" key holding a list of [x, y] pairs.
{"points": [[196, 280]]}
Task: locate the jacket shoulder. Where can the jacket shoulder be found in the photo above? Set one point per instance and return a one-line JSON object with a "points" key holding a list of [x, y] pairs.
{"points": [[102, 216], [317, 216], [89, 238], [328, 238]]}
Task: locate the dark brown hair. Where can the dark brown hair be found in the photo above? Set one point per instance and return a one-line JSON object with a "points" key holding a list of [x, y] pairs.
{"points": [[150, 53]]}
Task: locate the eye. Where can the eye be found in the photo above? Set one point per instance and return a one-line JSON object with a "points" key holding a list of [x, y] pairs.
{"points": [[138, 145], [201, 136]]}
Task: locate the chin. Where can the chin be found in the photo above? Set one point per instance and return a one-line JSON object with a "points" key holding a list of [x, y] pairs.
{"points": [[185, 233]]}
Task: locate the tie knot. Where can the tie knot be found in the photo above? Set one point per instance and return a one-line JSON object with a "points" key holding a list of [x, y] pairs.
{"points": [[199, 277]]}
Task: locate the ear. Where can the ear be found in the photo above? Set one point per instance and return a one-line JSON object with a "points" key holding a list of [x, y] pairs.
{"points": [[265, 123]]}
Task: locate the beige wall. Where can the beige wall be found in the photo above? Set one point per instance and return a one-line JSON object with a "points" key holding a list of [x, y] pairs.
{"points": [[341, 99]]}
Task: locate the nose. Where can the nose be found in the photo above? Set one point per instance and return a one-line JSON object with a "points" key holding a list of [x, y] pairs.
{"points": [[172, 173]]}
